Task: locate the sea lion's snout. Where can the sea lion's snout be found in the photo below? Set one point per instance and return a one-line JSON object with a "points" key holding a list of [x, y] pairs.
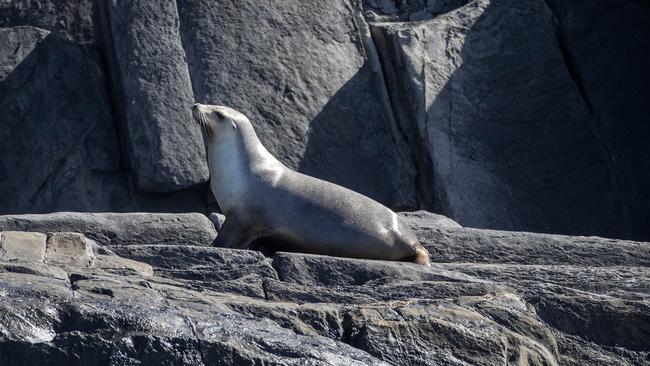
{"points": [[201, 118]]}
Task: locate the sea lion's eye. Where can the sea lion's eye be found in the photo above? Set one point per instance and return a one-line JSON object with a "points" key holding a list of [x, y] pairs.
{"points": [[219, 114]]}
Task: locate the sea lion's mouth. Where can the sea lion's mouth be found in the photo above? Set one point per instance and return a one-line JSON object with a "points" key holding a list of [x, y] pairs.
{"points": [[202, 120]]}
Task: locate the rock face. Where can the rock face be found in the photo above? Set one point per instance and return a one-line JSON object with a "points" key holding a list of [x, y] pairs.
{"points": [[503, 115], [309, 85], [499, 115], [606, 64], [152, 81], [59, 140], [68, 299], [72, 19]]}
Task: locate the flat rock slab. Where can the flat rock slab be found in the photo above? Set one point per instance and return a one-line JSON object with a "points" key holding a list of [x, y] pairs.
{"points": [[199, 263], [120, 229], [22, 246], [423, 220], [164, 143], [492, 246], [49, 256], [68, 248], [308, 269]]}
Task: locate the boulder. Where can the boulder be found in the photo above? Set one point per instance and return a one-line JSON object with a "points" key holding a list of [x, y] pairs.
{"points": [[154, 94], [507, 138]]}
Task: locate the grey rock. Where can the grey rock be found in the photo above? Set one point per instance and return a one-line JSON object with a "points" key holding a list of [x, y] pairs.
{"points": [[59, 144], [199, 263], [217, 220], [505, 133], [493, 246], [616, 281], [59, 149], [381, 290], [73, 19], [120, 228], [447, 332], [310, 270], [22, 246], [147, 62], [424, 220], [602, 319], [314, 94], [204, 305], [575, 351], [93, 316]]}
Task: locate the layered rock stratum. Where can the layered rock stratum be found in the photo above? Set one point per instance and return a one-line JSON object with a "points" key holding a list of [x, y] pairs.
{"points": [[118, 289]]}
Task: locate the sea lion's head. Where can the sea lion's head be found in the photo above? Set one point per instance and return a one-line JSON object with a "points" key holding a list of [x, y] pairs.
{"points": [[216, 120]]}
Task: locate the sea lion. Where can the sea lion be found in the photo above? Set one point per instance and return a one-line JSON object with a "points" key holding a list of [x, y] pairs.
{"points": [[262, 198]]}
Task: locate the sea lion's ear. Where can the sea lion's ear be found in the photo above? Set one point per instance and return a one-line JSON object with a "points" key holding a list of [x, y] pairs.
{"points": [[233, 125]]}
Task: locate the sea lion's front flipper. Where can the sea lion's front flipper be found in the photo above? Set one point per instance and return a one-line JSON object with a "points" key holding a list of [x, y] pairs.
{"points": [[233, 234]]}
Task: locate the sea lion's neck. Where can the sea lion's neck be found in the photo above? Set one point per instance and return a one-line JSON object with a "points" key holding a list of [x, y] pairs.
{"points": [[234, 157]]}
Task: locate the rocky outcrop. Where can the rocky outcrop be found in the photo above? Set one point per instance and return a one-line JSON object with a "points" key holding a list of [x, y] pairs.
{"points": [[502, 115], [504, 129], [68, 299]]}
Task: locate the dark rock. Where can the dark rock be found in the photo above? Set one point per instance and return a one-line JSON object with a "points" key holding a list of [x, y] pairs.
{"points": [[601, 319], [301, 74], [154, 94], [317, 270], [120, 229], [408, 10], [81, 302], [72, 19], [199, 263], [424, 221], [605, 44], [381, 290], [492, 246], [94, 317], [575, 351], [506, 135], [619, 281], [455, 332], [59, 143]]}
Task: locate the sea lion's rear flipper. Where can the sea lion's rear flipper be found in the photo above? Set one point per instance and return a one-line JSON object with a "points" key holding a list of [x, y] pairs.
{"points": [[422, 257]]}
